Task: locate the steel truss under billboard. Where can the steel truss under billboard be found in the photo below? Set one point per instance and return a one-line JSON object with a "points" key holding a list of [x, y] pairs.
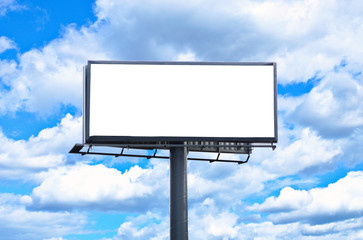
{"points": [[155, 104]]}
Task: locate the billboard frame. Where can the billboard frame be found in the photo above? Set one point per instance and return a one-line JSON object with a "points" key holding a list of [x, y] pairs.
{"points": [[165, 140]]}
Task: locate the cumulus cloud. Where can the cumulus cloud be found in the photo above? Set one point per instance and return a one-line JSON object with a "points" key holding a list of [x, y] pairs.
{"points": [[301, 152], [207, 221], [46, 79], [332, 111], [48, 149], [334, 107], [16, 222], [301, 35], [139, 189], [339, 201], [225, 182], [98, 187], [307, 35]]}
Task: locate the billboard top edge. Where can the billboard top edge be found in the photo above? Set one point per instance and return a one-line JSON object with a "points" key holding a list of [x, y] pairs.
{"points": [[181, 63]]}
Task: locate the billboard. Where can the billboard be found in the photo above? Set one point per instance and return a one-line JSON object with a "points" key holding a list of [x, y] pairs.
{"points": [[131, 102]]}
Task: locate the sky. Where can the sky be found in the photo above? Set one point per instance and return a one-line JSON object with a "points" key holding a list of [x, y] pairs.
{"points": [[308, 188]]}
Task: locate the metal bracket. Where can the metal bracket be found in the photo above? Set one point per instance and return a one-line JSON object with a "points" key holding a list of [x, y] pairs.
{"points": [[153, 156], [245, 161], [273, 146], [88, 150], [78, 149]]}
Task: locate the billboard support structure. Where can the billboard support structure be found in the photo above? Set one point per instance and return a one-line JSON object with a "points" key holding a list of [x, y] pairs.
{"points": [[178, 194]]}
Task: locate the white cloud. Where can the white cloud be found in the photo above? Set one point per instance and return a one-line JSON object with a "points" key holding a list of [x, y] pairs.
{"points": [[288, 103], [148, 226], [16, 222], [48, 78], [339, 201], [268, 230], [186, 56], [9, 5], [308, 34], [332, 111], [305, 152], [288, 200], [334, 107], [353, 227], [83, 187], [353, 148], [5, 44], [225, 182], [302, 35], [6, 67], [98, 187], [18, 158], [207, 221], [216, 33]]}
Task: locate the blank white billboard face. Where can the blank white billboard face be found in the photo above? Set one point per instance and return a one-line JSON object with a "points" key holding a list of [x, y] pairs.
{"points": [[181, 101]]}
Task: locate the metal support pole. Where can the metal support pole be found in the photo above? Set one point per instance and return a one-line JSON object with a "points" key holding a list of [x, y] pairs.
{"points": [[178, 194]]}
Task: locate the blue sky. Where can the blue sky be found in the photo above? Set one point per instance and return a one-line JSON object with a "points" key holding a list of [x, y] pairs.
{"points": [[308, 188]]}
